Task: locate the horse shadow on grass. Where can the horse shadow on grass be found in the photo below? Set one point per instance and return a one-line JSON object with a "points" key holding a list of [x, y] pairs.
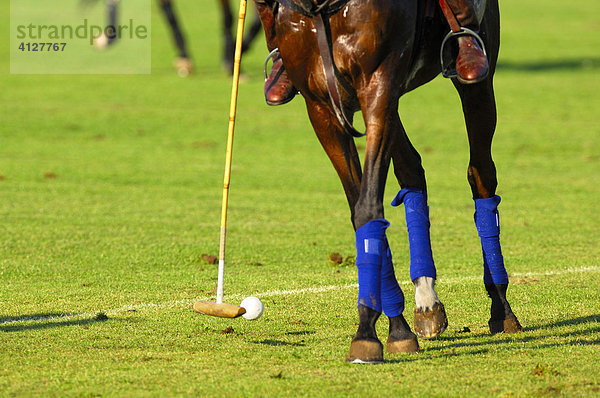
{"points": [[279, 343], [47, 321], [572, 64], [276, 343], [572, 337]]}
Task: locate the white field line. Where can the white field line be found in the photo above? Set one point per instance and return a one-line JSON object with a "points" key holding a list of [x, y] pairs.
{"points": [[271, 293]]}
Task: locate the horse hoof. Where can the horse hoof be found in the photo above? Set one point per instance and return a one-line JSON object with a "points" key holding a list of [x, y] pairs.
{"points": [[183, 66], [432, 323], [409, 346], [365, 351], [101, 41], [508, 325]]}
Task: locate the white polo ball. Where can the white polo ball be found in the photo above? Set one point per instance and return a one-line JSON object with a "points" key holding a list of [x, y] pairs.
{"points": [[253, 306]]}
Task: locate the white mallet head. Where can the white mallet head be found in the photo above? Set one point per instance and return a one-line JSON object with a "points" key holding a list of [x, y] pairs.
{"points": [[253, 306]]}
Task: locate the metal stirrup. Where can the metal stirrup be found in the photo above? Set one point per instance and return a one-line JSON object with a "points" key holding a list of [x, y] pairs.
{"points": [[272, 55], [446, 72]]}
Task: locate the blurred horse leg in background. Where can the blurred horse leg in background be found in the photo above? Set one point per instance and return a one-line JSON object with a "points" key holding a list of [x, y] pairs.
{"points": [[228, 35], [183, 63], [105, 39]]}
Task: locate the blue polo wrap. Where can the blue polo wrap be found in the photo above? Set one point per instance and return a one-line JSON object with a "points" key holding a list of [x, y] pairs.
{"points": [[487, 222], [417, 222], [370, 247], [377, 285], [392, 297]]}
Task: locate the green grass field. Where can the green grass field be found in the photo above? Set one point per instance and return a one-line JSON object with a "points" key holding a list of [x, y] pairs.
{"points": [[110, 192]]}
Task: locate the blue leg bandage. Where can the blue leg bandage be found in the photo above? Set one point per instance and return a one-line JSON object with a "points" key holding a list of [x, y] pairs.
{"points": [[488, 228], [370, 246], [417, 221], [377, 285], [392, 297]]}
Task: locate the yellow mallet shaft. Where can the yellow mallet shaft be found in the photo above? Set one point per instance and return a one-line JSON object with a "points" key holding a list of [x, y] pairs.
{"points": [[227, 177]]}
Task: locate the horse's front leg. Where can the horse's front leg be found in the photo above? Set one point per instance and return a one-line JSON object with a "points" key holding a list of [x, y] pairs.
{"points": [[339, 146], [378, 288]]}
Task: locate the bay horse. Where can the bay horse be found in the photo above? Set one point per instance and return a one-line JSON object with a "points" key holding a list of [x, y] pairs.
{"points": [[377, 51]]}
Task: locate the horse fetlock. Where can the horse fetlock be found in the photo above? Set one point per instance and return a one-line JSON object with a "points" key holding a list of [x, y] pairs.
{"points": [[399, 329], [502, 318], [432, 323], [366, 326], [401, 339], [365, 346], [498, 310], [508, 325], [425, 296]]}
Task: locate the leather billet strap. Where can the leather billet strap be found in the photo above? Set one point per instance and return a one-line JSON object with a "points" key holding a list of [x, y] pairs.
{"points": [[450, 17], [329, 70], [320, 14]]}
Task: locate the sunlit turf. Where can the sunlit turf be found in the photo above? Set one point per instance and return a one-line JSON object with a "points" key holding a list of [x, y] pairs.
{"points": [[110, 191]]}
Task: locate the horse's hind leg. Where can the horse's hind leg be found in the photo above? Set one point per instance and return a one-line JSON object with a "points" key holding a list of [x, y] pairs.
{"points": [[479, 108], [430, 315]]}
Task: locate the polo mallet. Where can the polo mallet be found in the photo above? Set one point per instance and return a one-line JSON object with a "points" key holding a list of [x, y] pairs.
{"points": [[221, 309]]}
